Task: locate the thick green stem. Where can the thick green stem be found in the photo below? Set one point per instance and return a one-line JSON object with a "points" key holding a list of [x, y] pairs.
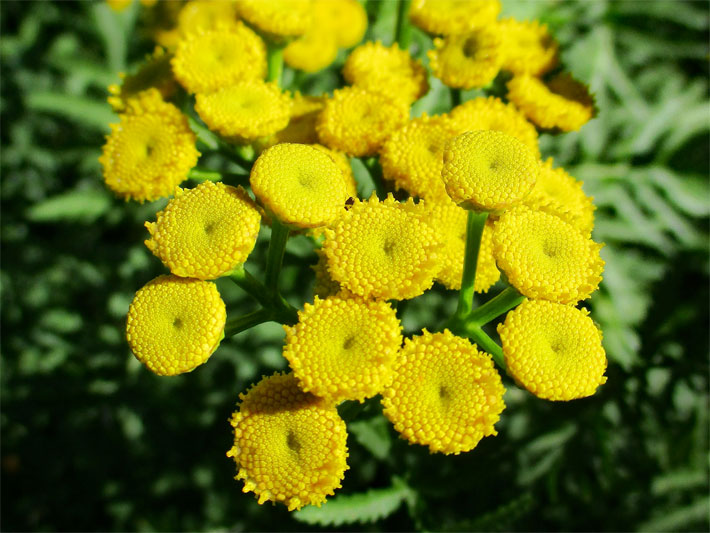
{"points": [[277, 247], [252, 286], [474, 229], [242, 323], [403, 31], [495, 307], [481, 338], [275, 62]]}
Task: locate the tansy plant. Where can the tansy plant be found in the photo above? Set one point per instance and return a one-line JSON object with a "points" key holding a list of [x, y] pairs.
{"points": [[464, 200]]}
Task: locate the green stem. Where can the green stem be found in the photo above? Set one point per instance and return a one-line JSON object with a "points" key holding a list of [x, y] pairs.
{"points": [[474, 229], [481, 338], [277, 247], [495, 307], [204, 135], [252, 286], [275, 62], [373, 167], [244, 322], [207, 174], [455, 97], [403, 31]]}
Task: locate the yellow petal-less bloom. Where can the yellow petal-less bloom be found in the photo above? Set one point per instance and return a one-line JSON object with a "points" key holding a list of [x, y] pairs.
{"points": [[206, 61], [467, 61], [301, 126], [174, 324], [554, 351], [313, 51], [446, 17], [324, 285], [205, 232], [546, 258], [301, 185], [558, 193], [277, 18], [413, 156], [150, 151], [528, 47], [245, 111], [449, 221], [488, 170], [345, 19], [445, 394], [357, 122], [344, 348], [382, 250], [289, 445], [562, 103], [386, 70], [343, 162], [492, 114], [206, 15], [155, 73]]}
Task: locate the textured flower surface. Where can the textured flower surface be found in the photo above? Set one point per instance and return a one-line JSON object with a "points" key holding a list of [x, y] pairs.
{"points": [[528, 46], [545, 257], [553, 350], [357, 122], [445, 394], [174, 324], [301, 185], [388, 70], [245, 111], [382, 250], [445, 17], [150, 151], [488, 170], [469, 60], [344, 348], [345, 19], [205, 15], [289, 445], [562, 103], [313, 51], [205, 232], [209, 60], [277, 18]]}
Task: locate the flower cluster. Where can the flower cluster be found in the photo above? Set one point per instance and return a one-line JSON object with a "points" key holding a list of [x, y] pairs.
{"points": [[463, 199]]}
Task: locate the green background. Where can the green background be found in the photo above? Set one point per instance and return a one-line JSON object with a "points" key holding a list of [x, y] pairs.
{"points": [[93, 441]]}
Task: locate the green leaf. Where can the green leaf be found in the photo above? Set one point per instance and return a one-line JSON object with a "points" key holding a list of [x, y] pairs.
{"points": [[373, 435], [77, 108], [83, 206], [370, 506]]}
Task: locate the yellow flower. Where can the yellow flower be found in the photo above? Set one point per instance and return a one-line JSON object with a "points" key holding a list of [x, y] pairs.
{"points": [[528, 47], [343, 162], [562, 103], [289, 446], [553, 350], [488, 170], [206, 15], [208, 60], [546, 258], [558, 193], [492, 114], [313, 51], [174, 324], [154, 73], [446, 394], [382, 250], [150, 151], [445, 17], [413, 156], [205, 232], [467, 61], [277, 18], [386, 70], [449, 221], [343, 348], [345, 19], [325, 285], [245, 111], [301, 185], [301, 127], [357, 122]]}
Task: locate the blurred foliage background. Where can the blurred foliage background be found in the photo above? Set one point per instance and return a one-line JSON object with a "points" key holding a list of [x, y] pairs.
{"points": [[92, 441]]}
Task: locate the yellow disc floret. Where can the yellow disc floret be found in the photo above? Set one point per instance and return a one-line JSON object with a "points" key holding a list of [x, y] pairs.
{"points": [[301, 185], [488, 170], [445, 394], [343, 162], [544, 257], [277, 18], [289, 445], [245, 111], [344, 348], [554, 351], [413, 156], [386, 70], [345, 19], [528, 47], [205, 15], [311, 52], [562, 103], [174, 324], [382, 250], [209, 60], [357, 122], [205, 232], [150, 151], [446, 17], [467, 61]]}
